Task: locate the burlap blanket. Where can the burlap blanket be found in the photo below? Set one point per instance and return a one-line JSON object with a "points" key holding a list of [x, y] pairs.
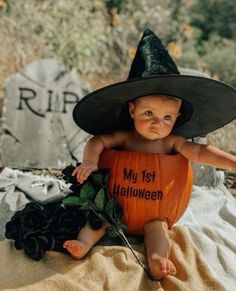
{"points": [[203, 249], [106, 268]]}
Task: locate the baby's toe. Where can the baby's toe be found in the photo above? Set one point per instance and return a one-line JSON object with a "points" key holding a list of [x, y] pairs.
{"points": [[171, 268], [66, 244]]}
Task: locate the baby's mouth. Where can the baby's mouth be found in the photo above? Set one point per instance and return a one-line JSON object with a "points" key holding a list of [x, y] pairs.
{"points": [[154, 130]]}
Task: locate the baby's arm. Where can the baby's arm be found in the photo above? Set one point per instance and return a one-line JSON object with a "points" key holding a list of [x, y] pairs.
{"points": [[92, 152], [204, 154]]}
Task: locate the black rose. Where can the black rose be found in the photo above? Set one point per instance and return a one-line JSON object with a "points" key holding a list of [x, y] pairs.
{"points": [[34, 218], [70, 218], [35, 245], [67, 172], [75, 188], [12, 227], [99, 179], [67, 224], [32, 224], [13, 230], [94, 221]]}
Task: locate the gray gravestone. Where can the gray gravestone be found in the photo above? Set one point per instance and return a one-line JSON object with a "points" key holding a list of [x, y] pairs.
{"points": [[38, 128]]}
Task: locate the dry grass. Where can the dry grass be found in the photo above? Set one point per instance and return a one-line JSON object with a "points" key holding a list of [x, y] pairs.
{"points": [[224, 138]]}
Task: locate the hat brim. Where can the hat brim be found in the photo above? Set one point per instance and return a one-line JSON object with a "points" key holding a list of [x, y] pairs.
{"points": [[213, 103]]}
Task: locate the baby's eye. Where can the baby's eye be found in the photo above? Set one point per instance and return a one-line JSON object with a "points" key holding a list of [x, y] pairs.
{"points": [[148, 113], [167, 117]]}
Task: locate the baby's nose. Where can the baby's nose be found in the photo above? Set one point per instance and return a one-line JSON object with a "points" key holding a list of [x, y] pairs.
{"points": [[156, 121]]}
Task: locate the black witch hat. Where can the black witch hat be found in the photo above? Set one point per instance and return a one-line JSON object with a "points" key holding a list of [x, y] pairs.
{"points": [[207, 104]]}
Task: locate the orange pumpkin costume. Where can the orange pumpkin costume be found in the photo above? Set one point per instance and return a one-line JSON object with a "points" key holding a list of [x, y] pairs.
{"points": [[148, 185]]}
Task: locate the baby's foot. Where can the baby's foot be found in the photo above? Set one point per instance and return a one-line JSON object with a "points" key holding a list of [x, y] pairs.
{"points": [[78, 249], [160, 266]]}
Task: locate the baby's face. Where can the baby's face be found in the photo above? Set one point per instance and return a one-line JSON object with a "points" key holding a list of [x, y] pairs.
{"points": [[154, 115]]}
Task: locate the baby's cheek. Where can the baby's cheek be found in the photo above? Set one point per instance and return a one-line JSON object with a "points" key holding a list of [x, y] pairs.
{"points": [[169, 124], [140, 123]]}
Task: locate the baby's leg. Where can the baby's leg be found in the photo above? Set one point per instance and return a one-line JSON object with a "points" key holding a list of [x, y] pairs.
{"points": [[86, 239], [157, 243]]}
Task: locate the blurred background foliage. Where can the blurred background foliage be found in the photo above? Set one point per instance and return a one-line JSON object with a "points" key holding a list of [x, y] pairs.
{"points": [[98, 38]]}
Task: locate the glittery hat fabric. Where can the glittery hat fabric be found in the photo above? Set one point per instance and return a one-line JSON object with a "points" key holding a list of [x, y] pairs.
{"points": [[207, 104]]}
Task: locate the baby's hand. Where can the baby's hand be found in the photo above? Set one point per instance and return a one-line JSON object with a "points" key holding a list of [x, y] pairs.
{"points": [[84, 170]]}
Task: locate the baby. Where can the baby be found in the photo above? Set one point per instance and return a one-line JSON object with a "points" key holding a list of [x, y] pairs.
{"points": [[154, 117]]}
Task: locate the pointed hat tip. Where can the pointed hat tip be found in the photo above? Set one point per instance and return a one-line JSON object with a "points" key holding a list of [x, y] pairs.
{"points": [[148, 31]]}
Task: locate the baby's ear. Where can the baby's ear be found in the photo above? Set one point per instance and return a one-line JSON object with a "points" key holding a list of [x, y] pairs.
{"points": [[131, 109]]}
